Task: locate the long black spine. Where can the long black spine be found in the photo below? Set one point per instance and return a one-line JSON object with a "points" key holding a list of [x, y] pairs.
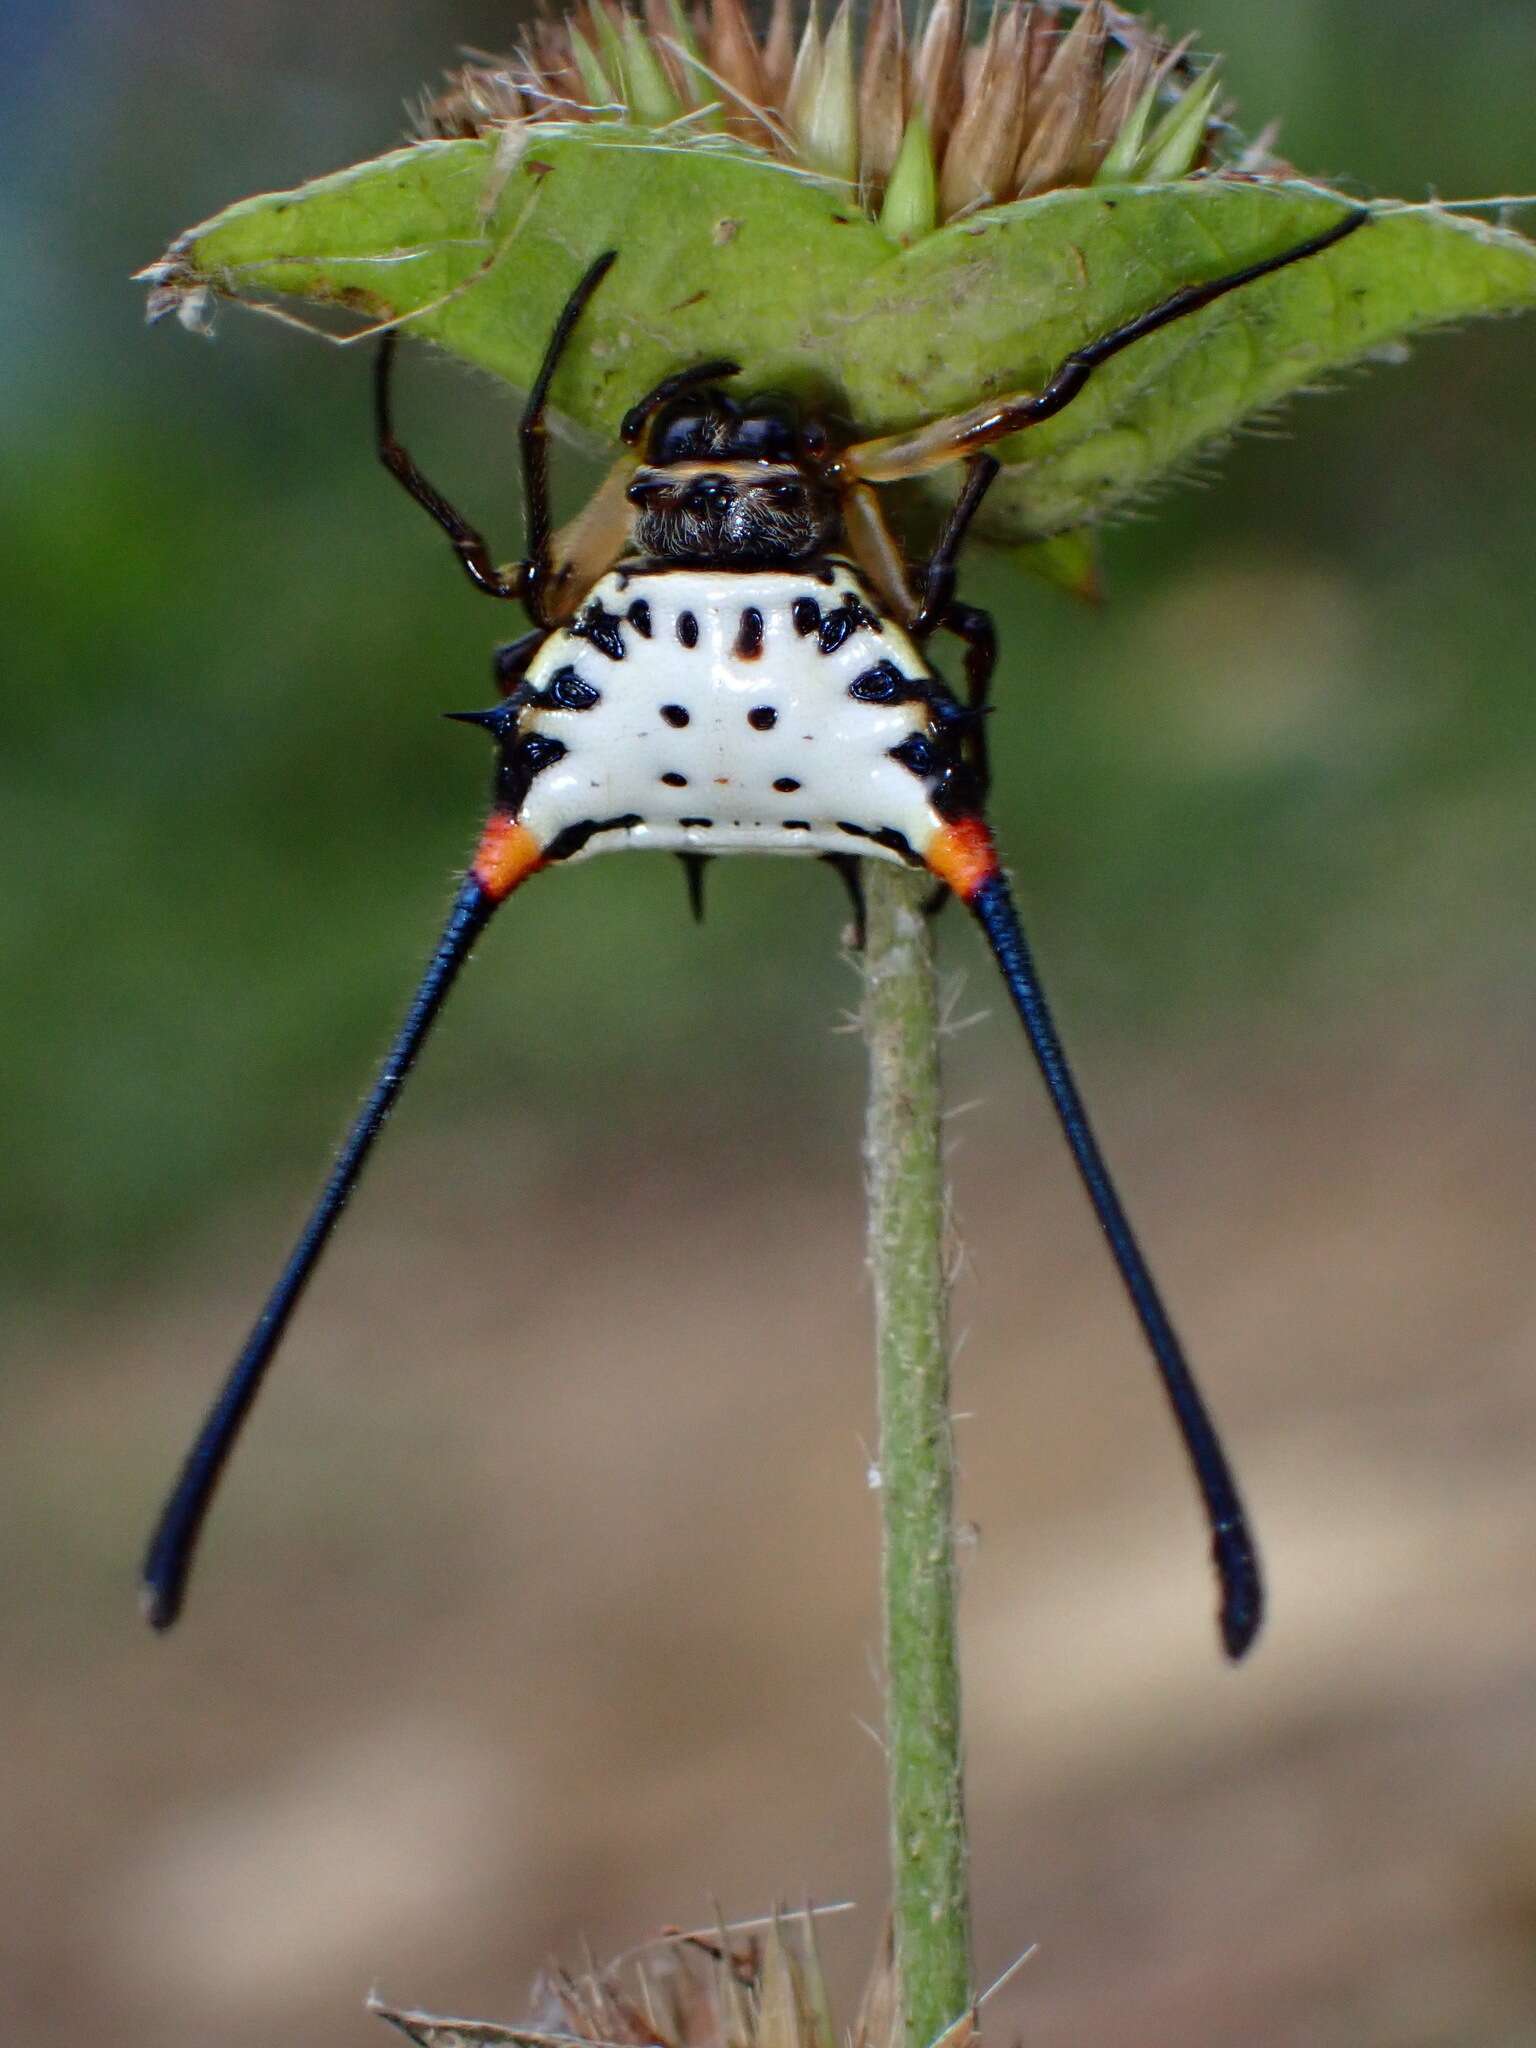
{"points": [[173, 1546], [1232, 1547]]}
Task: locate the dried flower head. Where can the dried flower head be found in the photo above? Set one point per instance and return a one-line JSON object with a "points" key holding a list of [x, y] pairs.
{"points": [[718, 1988], [957, 114]]}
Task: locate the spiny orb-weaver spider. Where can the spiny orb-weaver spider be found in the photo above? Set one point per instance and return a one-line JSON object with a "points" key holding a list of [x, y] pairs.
{"points": [[727, 656]]}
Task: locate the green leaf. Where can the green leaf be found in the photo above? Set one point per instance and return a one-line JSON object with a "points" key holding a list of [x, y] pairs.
{"points": [[725, 251]]}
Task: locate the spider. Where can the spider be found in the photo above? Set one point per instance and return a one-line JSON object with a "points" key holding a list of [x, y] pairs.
{"points": [[729, 655]]}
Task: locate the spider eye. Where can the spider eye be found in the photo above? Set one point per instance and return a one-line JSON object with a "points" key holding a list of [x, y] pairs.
{"points": [[813, 438]]}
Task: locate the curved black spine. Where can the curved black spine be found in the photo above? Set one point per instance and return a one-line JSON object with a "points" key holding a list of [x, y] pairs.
{"points": [[173, 1547], [1232, 1546]]}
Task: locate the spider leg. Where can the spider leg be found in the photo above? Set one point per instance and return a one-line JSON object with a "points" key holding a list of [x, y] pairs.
{"points": [[850, 872], [937, 581], [963, 855], [974, 627], [894, 456], [507, 855], [533, 436], [524, 579], [876, 550], [673, 386]]}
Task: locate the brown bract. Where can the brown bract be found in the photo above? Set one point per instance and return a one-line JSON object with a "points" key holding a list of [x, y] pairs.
{"points": [[975, 106], [716, 1988]]}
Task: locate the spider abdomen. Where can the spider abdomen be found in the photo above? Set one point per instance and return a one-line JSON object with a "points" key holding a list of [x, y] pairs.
{"points": [[732, 711]]}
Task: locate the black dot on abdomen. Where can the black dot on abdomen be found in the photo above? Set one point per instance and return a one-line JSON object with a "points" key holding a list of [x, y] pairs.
{"points": [[786, 785], [749, 634], [674, 714], [762, 718], [675, 781], [688, 629]]}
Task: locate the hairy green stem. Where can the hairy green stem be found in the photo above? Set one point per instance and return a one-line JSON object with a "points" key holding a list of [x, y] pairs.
{"points": [[907, 1230]]}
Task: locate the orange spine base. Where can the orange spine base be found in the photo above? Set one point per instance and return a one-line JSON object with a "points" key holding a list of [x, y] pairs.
{"points": [[507, 854], [962, 855]]}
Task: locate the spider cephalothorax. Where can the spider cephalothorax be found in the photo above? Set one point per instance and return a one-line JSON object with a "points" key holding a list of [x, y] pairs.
{"points": [[730, 654], [730, 483]]}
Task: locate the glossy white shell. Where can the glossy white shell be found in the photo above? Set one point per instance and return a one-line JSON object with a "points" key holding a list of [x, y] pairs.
{"points": [[832, 747]]}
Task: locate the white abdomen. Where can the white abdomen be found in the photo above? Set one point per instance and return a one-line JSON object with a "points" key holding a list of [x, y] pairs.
{"points": [[715, 711]]}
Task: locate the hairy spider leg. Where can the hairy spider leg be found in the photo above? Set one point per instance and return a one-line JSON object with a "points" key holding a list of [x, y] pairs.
{"points": [[937, 582], [507, 854], [894, 456], [964, 856], [534, 438], [526, 579]]}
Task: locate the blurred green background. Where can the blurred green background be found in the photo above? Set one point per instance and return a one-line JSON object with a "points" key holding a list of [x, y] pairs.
{"points": [[509, 1634]]}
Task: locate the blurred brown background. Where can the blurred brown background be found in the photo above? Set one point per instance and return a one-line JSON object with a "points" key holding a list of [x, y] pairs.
{"points": [[541, 1605]]}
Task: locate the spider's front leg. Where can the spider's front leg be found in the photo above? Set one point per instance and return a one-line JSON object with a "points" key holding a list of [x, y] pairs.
{"points": [[892, 457], [533, 578]]}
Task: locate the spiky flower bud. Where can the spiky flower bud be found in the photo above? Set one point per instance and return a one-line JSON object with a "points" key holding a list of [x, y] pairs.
{"points": [[1033, 97], [755, 1986]]}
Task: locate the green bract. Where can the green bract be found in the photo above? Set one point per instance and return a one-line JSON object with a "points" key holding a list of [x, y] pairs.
{"points": [[723, 251]]}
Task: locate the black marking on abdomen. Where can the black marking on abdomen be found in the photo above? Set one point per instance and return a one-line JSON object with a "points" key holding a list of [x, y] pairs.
{"points": [[520, 763], [918, 754], [575, 837], [886, 836], [749, 634], [675, 781], [674, 714], [762, 718], [688, 629], [602, 627], [566, 690], [698, 824], [639, 616], [538, 751], [786, 785], [806, 614], [851, 616], [885, 684], [794, 824]]}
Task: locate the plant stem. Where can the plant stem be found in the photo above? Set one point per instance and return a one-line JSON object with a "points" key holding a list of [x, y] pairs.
{"points": [[907, 1228]]}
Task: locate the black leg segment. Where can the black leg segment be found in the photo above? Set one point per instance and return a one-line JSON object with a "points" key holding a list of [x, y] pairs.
{"points": [[534, 438], [937, 580], [468, 543], [1013, 415], [634, 422]]}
